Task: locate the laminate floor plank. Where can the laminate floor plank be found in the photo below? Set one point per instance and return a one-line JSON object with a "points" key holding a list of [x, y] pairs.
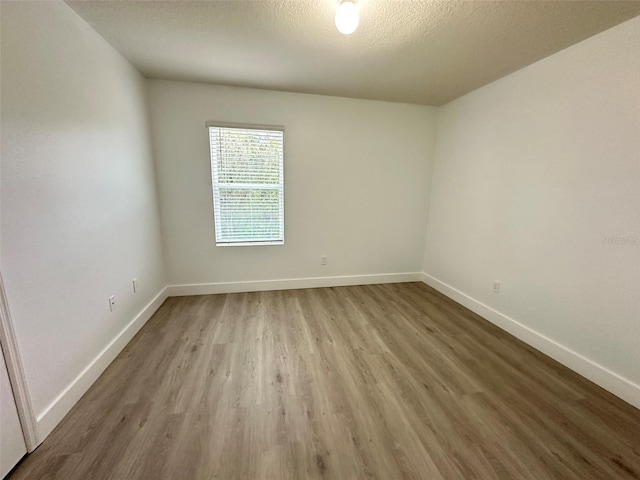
{"points": [[367, 382]]}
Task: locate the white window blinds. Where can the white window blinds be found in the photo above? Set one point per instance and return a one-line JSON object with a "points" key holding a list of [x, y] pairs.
{"points": [[248, 185]]}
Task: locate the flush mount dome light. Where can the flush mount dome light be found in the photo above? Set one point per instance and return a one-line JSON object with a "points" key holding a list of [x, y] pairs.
{"points": [[347, 17]]}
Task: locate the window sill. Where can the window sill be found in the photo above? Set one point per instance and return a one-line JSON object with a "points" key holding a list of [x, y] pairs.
{"points": [[248, 244]]}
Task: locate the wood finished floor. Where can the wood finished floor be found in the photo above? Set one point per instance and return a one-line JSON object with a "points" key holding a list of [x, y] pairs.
{"points": [[386, 381]]}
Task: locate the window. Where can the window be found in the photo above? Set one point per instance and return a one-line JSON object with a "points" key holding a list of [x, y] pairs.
{"points": [[248, 184]]}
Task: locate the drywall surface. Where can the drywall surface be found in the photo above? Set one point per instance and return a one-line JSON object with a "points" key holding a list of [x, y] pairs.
{"points": [[79, 210], [356, 176], [536, 183]]}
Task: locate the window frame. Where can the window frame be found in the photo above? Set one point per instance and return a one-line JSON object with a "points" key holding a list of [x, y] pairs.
{"points": [[213, 167]]}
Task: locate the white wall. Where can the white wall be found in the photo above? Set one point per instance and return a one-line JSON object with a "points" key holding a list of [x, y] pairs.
{"points": [[356, 176], [536, 183], [79, 209]]}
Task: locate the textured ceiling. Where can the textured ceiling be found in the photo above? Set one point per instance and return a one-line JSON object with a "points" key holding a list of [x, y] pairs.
{"points": [[426, 52]]}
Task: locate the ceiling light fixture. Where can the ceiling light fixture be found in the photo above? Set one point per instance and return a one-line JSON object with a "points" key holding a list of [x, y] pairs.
{"points": [[347, 17]]}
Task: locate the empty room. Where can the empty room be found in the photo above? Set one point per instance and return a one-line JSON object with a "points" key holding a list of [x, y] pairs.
{"points": [[319, 239]]}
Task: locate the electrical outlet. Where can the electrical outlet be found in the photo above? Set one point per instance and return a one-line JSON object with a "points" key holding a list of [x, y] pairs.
{"points": [[134, 282], [112, 303], [323, 260], [496, 286]]}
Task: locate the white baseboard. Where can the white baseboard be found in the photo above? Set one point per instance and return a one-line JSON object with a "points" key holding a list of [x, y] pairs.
{"points": [[607, 379], [290, 284], [55, 412]]}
